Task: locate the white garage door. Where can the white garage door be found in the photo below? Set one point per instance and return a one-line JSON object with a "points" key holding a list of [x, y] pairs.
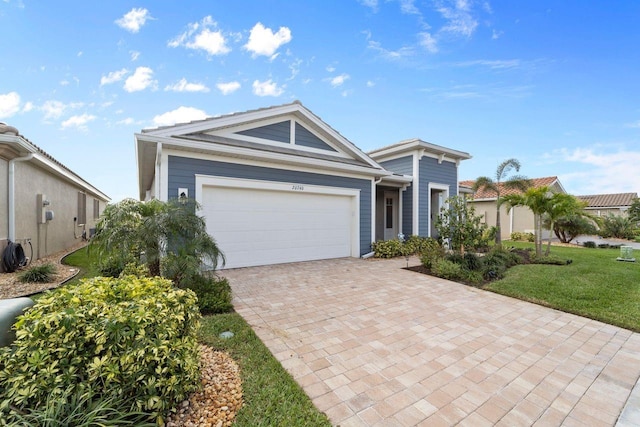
{"points": [[260, 226]]}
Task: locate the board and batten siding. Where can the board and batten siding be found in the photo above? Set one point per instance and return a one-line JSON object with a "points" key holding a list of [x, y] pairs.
{"points": [[438, 173], [182, 172], [279, 132], [404, 166]]}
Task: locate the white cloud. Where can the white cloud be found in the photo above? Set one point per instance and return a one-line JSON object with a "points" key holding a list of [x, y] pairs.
{"points": [[429, 42], [113, 76], [28, 106], [53, 109], [141, 79], [635, 125], [370, 83], [128, 121], [373, 4], [339, 80], [229, 87], [496, 34], [64, 82], [330, 68], [608, 168], [408, 7], [134, 55], [494, 64], [133, 20], [79, 122], [267, 88], [199, 36], [460, 20], [184, 86], [179, 115], [9, 104], [390, 55], [263, 41]]}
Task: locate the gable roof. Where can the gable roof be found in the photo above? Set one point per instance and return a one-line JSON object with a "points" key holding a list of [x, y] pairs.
{"points": [[242, 135], [484, 194], [12, 145], [410, 145], [617, 200]]}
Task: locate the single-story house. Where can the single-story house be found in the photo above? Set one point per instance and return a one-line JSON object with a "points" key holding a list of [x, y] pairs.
{"points": [[605, 204], [280, 185], [519, 218], [44, 205]]}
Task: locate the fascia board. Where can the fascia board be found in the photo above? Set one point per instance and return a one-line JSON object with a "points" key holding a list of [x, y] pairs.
{"points": [[208, 147], [52, 167]]}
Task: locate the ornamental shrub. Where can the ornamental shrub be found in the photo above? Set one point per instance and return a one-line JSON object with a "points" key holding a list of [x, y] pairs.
{"points": [[134, 338], [448, 269], [39, 274], [388, 248], [214, 293], [589, 244], [431, 252]]}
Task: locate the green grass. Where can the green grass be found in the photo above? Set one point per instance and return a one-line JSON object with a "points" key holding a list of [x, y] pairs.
{"points": [[85, 261], [271, 396], [595, 285]]}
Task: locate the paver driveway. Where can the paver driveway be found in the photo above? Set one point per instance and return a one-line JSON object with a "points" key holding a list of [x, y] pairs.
{"points": [[373, 344]]}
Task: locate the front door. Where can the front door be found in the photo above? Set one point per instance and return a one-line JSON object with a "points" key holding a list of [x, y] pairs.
{"points": [[390, 215], [437, 202]]}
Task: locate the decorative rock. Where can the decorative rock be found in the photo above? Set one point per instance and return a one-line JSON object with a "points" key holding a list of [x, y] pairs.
{"points": [[226, 335], [219, 398]]}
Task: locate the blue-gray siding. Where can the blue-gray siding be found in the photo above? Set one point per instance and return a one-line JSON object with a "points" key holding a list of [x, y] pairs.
{"points": [[407, 211], [402, 166], [431, 171], [280, 132], [182, 171], [307, 139]]}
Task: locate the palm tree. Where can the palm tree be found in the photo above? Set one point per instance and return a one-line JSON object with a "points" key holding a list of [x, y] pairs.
{"points": [[538, 200], [148, 230], [562, 205], [517, 182]]}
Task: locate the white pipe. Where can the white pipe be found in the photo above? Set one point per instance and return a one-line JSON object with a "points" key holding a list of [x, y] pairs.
{"points": [[12, 196]]}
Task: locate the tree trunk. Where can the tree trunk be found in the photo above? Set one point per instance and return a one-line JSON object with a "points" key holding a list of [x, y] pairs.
{"points": [[549, 240], [498, 229], [154, 268], [538, 237]]}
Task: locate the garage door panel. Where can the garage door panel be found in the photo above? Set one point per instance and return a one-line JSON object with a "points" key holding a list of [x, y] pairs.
{"points": [[261, 226]]}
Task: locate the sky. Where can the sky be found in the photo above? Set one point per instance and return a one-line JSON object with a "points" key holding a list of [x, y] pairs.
{"points": [[553, 84]]}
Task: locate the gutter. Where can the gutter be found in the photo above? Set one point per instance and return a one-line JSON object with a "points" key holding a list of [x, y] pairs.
{"points": [[11, 190]]}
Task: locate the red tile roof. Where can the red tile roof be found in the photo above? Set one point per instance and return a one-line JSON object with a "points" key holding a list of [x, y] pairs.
{"points": [[609, 200], [482, 193]]}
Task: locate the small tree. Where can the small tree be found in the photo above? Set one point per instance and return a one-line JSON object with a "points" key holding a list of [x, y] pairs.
{"points": [[569, 227], [459, 224], [536, 199], [147, 231], [561, 205], [517, 182], [634, 211]]}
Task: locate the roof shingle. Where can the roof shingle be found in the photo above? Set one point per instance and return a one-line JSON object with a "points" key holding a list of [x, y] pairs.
{"points": [[483, 193], [609, 200]]}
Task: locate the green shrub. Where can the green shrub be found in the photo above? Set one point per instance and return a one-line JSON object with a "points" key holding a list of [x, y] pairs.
{"points": [[474, 277], [456, 257], [431, 252], [589, 244], [522, 237], [134, 269], [214, 294], [40, 274], [417, 244], [79, 409], [550, 259], [493, 271], [447, 269], [111, 266], [387, 248], [134, 338], [472, 262], [617, 226]]}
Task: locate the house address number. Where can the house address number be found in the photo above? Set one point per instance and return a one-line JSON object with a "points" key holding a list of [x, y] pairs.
{"points": [[297, 187]]}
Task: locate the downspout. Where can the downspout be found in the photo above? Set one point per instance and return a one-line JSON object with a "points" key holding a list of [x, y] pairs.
{"points": [[12, 182]]}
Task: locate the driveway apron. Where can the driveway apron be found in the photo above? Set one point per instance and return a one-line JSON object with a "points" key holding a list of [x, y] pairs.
{"points": [[373, 344]]}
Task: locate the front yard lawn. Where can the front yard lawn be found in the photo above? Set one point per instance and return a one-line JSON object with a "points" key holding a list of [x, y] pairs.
{"points": [[594, 285]]}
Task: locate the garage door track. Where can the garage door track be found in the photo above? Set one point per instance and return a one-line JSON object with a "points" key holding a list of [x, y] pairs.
{"points": [[373, 344]]}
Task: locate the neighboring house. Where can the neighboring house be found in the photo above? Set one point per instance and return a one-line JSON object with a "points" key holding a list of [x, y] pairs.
{"points": [[42, 202], [605, 204], [280, 185], [519, 218]]}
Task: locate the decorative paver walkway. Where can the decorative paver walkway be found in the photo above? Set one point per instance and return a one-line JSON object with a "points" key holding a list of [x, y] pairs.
{"points": [[373, 344]]}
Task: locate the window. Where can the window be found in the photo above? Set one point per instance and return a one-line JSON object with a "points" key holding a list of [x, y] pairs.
{"points": [[96, 208], [389, 213], [82, 208]]}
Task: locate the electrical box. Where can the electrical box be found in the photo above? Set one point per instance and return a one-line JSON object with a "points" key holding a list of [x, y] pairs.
{"points": [[48, 215], [41, 205]]}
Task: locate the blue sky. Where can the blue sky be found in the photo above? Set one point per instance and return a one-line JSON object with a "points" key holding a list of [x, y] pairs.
{"points": [[553, 84]]}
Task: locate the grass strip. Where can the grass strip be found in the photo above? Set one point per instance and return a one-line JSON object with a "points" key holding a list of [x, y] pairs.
{"points": [[271, 395]]}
